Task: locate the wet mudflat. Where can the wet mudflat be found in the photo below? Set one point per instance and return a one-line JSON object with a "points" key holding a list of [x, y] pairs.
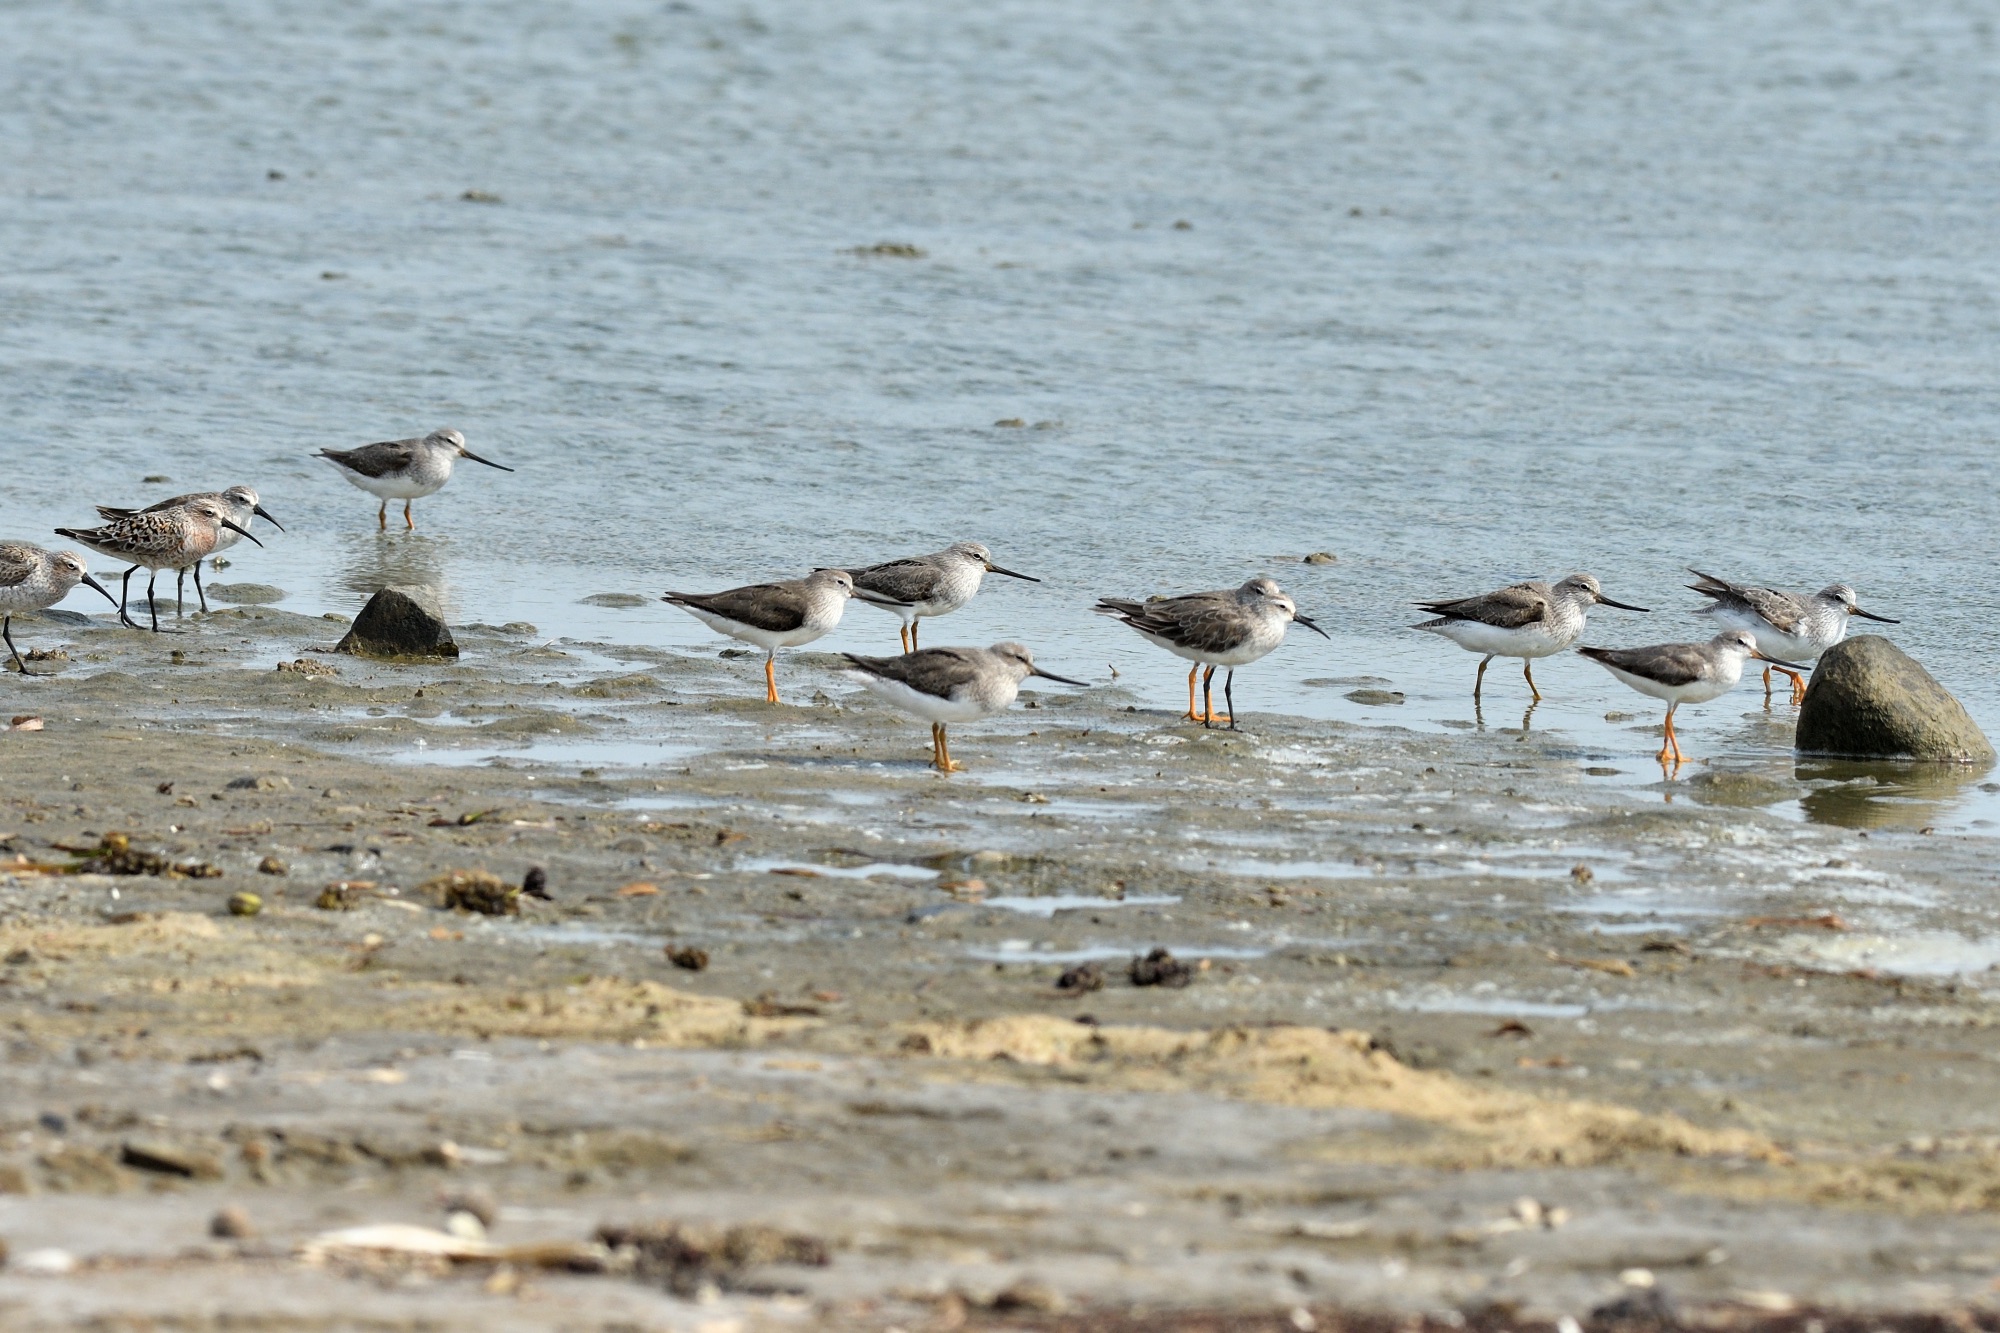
{"points": [[1462, 1028]]}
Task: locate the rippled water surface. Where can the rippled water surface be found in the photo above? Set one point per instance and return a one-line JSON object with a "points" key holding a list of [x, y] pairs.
{"points": [[1458, 293]]}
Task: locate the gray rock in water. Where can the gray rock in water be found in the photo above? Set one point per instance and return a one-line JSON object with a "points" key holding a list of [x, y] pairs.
{"points": [[1870, 700], [400, 622]]}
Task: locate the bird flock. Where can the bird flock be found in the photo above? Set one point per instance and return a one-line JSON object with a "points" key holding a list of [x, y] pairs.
{"points": [[1215, 631]]}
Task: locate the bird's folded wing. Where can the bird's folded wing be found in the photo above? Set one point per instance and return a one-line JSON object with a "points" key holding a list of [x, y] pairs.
{"points": [[930, 670], [773, 607], [18, 564], [1513, 607], [896, 581], [1667, 663], [374, 460]]}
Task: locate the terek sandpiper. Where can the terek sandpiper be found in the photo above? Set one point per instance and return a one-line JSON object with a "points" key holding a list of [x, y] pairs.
{"points": [[1524, 620], [1785, 624], [928, 585], [773, 615], [944, 685], [32, 579], [404, 470], [239, 502], [156, 540], [1228, 628], [1684, 673]]}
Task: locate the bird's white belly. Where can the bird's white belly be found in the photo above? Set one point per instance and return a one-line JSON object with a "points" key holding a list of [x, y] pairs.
{"points": [[1242, 655], [1695, 692], [929, 707], [768, 640], [1477, 637], [398, 485], [30, 596]]}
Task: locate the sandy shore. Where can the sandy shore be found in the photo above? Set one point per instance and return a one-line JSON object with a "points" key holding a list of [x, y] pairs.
{"points": [[1468, 1029]]}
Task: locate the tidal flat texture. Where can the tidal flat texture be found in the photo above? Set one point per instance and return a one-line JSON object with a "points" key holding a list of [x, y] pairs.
{"points": [[1458, 1035]]}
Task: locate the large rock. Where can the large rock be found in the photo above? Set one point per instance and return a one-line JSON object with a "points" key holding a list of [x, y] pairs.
{"points": [[400, 622], [1871, 700]]}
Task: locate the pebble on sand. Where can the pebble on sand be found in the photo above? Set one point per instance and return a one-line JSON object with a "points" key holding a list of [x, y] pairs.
{"points": [[400, 623]]}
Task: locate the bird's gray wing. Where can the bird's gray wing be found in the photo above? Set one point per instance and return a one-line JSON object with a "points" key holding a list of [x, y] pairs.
{"points": [[934, 671], [1204, 622], [1668, 663], [370, 460], [18, 563], [1512, 607], [906, 581], [772, 607], [1781, 610]]}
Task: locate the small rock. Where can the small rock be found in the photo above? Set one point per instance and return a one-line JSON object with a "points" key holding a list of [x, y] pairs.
{"points": [[231, 1223], [1083, 978], [400, 623], [1378, 698], [271, 865], [1031, 1295], [305, 666], [479, 197], [46, 1263], [1870, 700], [464, 1225], [343, 895], [258, 783], [535, 884], [246, 594], [617, 599], [1582, 873], [1161, 968], [473, 891], [688, 958], [1322, 558], [156, 479], [245, 904], [169, 1159], [888, 250]]}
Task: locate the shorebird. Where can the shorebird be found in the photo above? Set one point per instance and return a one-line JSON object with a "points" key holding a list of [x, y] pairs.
{"points": [[156, 540], [404, 470], [1684, 673], [32, 579], [239, 502], [773, 615], [928, 585], [945, 685], [1785, 624], [1524, 620], [1229, 628]]}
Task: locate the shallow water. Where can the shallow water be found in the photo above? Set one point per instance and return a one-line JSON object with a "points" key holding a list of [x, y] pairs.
{"points": [[1463, 297]]}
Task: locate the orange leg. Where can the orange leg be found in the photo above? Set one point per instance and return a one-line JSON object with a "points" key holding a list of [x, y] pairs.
{"points": [[408, 522], [1670, 748], [1193, 671], [771, 679], [1798, 684], [382, 516], [1528, 670], [904, 634], [941, 750], [1479, 681], [1767, 682], [913, 635]]}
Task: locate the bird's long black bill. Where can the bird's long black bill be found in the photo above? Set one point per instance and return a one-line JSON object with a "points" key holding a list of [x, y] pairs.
{"points": [[1870, 615], [467, 453], [1012, 574], [1623, 606], [101, 588], [1050, 675], [265, 514], [245, 531], [1789, 666], [1312, 625]]}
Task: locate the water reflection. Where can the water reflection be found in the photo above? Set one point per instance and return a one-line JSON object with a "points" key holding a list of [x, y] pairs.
{"points": [[1884, 794], [372, 561]]}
